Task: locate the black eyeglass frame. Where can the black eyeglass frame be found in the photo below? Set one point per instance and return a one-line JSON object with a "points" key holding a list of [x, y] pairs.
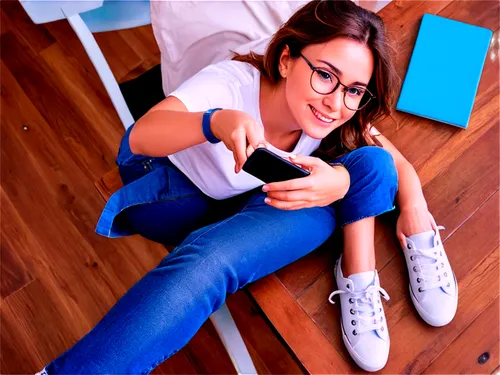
{"points": [[315, 69]]}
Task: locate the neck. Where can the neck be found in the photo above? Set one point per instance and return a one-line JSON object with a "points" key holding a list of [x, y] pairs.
{"points": [[280, 128]]}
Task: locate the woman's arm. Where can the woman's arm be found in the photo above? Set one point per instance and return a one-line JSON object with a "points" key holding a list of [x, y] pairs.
{"points": [[414, 214], [410, 193], [151, 137]]}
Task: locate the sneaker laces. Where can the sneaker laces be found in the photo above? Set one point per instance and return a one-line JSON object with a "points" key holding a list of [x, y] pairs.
{"points": [[431, 269], [364, 307]]}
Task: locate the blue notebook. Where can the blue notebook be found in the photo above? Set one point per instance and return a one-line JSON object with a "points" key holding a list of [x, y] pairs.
{"points": [[444, 71]]}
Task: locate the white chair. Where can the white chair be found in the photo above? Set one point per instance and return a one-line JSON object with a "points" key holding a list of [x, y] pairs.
{"points": [[86, 17]]}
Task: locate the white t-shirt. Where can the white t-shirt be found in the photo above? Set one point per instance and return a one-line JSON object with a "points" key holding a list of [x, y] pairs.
{"points": [[229, 85]]}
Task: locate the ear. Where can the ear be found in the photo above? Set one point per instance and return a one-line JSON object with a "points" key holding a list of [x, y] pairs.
{"points": [[284, 63]]}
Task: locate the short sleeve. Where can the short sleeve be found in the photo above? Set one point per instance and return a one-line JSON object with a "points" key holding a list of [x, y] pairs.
{"points": [[209, 88]]}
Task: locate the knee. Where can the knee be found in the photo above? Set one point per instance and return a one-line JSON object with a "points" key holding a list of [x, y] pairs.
{"points": [[205, 275], [375, 162]]}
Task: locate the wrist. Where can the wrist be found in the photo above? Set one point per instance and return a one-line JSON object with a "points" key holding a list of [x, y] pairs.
{"points": [[344, 173], [413, 206], [207, 125]]}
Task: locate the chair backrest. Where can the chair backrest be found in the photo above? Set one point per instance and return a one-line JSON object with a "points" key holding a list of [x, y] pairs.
{"points": [[118, 15]]}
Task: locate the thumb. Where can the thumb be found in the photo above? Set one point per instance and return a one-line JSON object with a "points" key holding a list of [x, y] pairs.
{"points": [[402, 240], [304, 161], [433, 223]]}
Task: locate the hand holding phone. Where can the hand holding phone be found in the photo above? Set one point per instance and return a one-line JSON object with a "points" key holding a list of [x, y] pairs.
{"points": [[324, 185], [237, 130], [269, 167]]}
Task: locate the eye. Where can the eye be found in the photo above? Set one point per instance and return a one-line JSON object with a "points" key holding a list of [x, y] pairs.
{"points": [[324, 75], [355, 91]]}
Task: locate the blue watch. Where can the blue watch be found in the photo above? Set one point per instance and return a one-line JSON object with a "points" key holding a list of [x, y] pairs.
{"points": [[205, 125]]}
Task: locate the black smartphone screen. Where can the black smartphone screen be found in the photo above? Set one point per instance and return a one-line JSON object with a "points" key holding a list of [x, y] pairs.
{"points": [[269, 167]]}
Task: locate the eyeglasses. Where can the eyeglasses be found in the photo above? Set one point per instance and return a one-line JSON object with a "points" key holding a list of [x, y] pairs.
{"points": [[325, 82]]}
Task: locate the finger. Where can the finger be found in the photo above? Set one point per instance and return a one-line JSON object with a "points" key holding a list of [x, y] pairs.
{"points": [[235, 162], [240, 148], [284, 205], [250, 150], [255, 135], [291, 196], [433, 222], [305, 161], [402, 240], [295, 184]]}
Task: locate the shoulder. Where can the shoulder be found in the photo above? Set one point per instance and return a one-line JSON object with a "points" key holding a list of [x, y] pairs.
{"points": [[240, 73], [224, 84]]}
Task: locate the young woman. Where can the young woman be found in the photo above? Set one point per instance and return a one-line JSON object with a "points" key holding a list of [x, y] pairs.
{"points": [[325, 76]]}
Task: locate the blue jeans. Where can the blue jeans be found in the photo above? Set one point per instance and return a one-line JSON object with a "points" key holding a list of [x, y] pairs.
{"points": [[223, 246]]}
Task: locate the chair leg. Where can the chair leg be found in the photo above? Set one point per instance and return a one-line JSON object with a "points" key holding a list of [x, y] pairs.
{"points": [[232, 340], [102, 67]]}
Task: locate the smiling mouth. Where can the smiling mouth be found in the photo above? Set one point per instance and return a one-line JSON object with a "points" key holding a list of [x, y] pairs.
{"points": [[321, 116]]}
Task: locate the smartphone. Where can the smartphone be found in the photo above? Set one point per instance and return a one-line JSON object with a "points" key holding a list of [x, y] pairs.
{"points": [[269, 167]]}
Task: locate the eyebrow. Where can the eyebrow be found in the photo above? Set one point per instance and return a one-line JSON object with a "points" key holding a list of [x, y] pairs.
{"points": [[338, 72]]}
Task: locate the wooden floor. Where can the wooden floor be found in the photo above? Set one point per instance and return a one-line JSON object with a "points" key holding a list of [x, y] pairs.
{"points": [[60, 133]]}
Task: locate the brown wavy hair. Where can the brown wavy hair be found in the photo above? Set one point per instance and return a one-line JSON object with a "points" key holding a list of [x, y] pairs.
{"points": [[319, 22]]}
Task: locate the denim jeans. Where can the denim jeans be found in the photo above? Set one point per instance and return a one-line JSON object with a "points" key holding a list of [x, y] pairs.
{"points": [[223, 246]]}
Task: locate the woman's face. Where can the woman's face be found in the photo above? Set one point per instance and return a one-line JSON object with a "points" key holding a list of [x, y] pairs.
{"points": [[317, 115]]}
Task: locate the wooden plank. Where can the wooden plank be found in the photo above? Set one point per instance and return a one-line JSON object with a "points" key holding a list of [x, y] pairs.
{"points": [[177, 364], [476, 292], [5, 25], [141, 39], [478, 338], [269, 354], [68, 182], [207, 354], [473, 269], [37, 326], [15, 359], [121, 57], [68, 41], [18, 249], [109, 184], [482, 13], [34, 76], [455, 194], [298, 276], [36, 36], [72, 261], [483, 118], [295, 327], [94, 106]]}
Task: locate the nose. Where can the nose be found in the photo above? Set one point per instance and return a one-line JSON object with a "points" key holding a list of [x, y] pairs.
{"points": [[335, 100]]}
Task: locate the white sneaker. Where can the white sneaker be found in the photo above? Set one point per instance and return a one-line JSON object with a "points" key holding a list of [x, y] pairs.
{"points": [[433, 286], [364, 327]]}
